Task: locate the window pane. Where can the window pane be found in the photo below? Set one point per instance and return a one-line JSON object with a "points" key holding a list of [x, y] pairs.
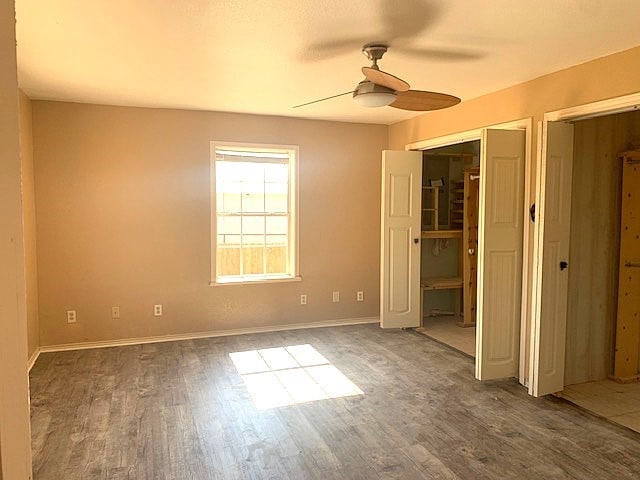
{"points": [[230, 240], [252, 240], [228, 225], [253, 225], [276, 197], [277, 225], [253, 260], [229, 201], [228, 172], [277, 240], [228, 261], [276, 259], [275, 172], [253, 201], [251, 172]]}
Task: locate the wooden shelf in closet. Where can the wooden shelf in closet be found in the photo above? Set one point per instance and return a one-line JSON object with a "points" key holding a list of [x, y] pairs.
{"points": [[440, 283], [442, 233]]}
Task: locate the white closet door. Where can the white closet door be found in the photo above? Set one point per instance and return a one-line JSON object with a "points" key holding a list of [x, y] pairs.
{"points": [[500, 229], [551, 256], [400, 239]]}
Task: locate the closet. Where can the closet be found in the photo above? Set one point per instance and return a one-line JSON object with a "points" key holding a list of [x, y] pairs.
{"points": [[418, 287], [449, 232], [603, 309]]}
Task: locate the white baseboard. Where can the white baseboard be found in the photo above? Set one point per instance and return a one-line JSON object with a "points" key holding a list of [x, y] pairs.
{"points": [[192, 336], [32, 359]]}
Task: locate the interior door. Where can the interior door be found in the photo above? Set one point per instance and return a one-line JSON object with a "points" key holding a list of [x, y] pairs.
{"points": [[551, 255], [500, 230], [400, 239]]}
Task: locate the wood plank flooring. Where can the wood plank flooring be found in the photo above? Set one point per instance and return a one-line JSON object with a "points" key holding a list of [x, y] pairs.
{"points": [[179, 410]]}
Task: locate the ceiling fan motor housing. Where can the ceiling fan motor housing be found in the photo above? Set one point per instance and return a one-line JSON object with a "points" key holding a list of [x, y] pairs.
{"points": [[374, 52], [369, 94]]}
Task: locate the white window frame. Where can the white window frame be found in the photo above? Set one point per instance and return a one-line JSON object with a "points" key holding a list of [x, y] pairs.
{"points": [[293, 151]]}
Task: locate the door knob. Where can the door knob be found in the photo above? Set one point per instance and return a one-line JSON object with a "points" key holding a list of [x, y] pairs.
{"points": [[563, 265], [471, 251], [416, 240]]}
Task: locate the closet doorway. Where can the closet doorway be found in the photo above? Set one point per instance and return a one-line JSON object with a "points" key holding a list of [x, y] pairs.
{"points": [[599, 352], [501, 252], [449, 246]]}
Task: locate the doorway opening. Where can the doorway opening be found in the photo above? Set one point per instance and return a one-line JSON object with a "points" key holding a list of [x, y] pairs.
{"points": [[598, 278], [578, 349], [449, 231]]}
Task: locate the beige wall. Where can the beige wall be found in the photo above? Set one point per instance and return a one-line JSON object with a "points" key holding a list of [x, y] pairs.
{"points": [[606, 77], [29, 223], [122, 197], [15, 441]]}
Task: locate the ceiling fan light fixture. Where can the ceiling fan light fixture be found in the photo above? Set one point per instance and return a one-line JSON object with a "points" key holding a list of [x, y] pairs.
{"points": [[368, 94]]}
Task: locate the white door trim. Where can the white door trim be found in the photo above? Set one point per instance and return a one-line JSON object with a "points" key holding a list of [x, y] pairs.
{"points": [[469, 135], [476, 134], [626, 103]]}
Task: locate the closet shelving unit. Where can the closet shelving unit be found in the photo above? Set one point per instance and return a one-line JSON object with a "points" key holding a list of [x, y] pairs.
{"points": [[626, 368], [463, 226], [432, 230], [457, 204]]}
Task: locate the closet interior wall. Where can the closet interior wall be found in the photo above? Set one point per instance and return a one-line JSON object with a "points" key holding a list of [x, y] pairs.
{"points": [[595, 243]]}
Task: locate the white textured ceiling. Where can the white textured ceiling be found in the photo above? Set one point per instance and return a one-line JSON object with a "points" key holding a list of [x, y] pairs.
{"points": [[264, 56]]}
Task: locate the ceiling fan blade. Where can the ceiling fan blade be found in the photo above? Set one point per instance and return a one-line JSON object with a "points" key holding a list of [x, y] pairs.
{"points": [[440, 54], [421, 101], [405, 19], [385, 79], [401, 21], [331, 48], [323, 99]]}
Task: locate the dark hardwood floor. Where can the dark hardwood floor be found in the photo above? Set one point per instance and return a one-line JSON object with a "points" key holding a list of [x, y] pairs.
{"points": [[180, 410]]}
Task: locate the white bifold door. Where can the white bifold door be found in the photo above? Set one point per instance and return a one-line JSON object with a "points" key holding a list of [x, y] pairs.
{"points": [[551, 257], [499, 248], [500, 230], [400, 239]]}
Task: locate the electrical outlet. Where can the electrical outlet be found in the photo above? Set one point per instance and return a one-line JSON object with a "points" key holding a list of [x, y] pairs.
{"points": [[336, 297], [303, 299], [157, 310], [360, 296], [115, 312], [71, 316]]}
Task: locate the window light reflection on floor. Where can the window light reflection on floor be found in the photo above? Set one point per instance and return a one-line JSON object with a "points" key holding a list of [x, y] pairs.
{"points": [[281, 376]]}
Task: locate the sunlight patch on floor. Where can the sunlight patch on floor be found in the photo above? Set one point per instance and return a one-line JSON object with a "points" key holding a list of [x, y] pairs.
{"points": [[281, 376]]}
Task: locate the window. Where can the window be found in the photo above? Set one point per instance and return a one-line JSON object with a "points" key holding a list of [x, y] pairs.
{"points": [[254, 227]]}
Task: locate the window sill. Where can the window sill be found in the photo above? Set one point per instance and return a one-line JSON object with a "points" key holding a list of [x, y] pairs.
{"points": [[245, 281]]}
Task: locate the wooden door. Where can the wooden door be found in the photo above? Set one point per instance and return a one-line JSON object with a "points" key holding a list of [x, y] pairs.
{"points": [[400, 239], [502, 166], [550, 258]]}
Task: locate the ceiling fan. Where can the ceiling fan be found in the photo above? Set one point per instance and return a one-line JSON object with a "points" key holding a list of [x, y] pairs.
{"points": [[380, 89]]}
